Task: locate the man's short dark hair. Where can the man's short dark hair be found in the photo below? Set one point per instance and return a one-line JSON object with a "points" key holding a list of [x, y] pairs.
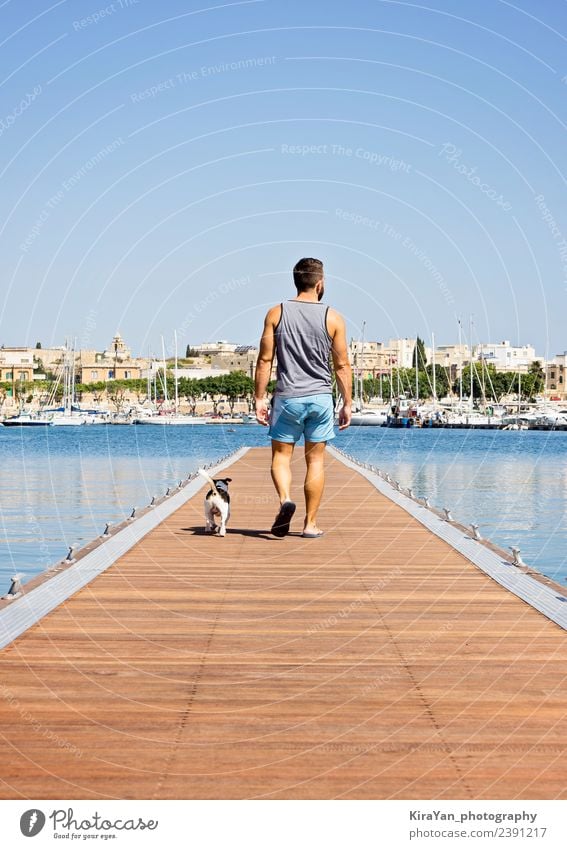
{"points": [[307, 273]]}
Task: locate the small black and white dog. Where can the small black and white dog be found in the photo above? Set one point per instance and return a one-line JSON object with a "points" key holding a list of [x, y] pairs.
{"points": [[217, 504]]}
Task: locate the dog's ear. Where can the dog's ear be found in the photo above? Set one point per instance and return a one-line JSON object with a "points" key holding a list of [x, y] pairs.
{"points": [[227, 480]]}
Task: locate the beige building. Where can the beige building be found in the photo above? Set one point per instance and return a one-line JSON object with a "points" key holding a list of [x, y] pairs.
{"points": [[197, 372], [372, 358], [400, 351], [556, 377], [506, 357], [211, 349], [453, 358], [243, 358], [26, 364], [115, 363], [18, 365], [50, 358], [369, 358]]}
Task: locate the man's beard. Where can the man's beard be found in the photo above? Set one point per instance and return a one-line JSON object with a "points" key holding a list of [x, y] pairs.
{"points": [[321, 293]]}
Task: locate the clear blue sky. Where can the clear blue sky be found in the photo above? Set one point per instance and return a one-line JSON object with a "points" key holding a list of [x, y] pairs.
{"points": [[165, 164]]}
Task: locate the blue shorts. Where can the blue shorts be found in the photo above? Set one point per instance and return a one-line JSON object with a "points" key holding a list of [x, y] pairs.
{"points": [[311, 416]]}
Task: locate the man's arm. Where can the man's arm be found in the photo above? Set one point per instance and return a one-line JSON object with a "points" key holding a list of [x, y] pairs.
{"points": [[343, 372], [264, 364]]}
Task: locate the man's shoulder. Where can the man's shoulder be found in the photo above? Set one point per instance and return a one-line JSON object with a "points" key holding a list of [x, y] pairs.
{"points": [[274, 314], [334, 318]]}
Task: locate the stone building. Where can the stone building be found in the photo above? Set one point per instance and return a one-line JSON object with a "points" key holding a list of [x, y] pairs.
{"points": [[556, 377], [115, 363], [243, 358], [506, 357], [18, 365]]}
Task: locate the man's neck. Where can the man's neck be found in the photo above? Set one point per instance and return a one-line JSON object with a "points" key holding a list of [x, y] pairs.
{"points": [[310, 297]]}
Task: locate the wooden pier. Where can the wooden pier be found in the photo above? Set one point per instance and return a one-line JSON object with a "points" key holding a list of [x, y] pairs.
{"points": [[377, 662]]}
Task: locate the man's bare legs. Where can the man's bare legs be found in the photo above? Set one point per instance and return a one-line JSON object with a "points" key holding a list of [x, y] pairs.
{"points": [[314, 483], [282, 452]]}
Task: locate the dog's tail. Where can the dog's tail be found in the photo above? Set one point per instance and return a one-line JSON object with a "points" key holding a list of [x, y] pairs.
{"points": [[208, 478]]}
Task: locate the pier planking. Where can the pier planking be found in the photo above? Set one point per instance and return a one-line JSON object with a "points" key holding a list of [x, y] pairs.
{"points": [[376, 662]]}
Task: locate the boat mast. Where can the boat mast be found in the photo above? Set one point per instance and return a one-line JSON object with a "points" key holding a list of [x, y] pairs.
{"points": [[361, 374], [69, 376], [434, 375], [472, 368], [416, 370], [176, 390], [165, 399], [65, 377], [482, 379], [356, 405], [72, 393], [460, 369]]}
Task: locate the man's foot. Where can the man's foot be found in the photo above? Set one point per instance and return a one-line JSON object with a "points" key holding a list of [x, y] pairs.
{"points": [[281, 523], [312, 532]]}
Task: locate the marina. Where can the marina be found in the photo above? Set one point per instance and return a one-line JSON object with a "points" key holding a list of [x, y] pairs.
{"points": [[60, 486], [274, 668]]}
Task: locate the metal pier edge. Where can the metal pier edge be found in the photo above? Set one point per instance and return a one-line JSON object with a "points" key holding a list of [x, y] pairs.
{"points": [[32, 606], [537, 595]]}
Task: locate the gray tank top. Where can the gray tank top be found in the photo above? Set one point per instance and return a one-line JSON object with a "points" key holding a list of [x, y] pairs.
{"points": [[303, 348]]}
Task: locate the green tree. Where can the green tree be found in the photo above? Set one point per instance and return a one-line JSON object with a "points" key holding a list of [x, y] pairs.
{"points": [[531, 384], [441, 381], [191, 390], [536, 372], [469, 375], [38, 344], [212, 389], [234, 386], [419, 358], [117, 396]]}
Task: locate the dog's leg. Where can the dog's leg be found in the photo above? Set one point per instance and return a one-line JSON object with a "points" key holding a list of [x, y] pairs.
{"points": [[209, 520], [224, 517]]}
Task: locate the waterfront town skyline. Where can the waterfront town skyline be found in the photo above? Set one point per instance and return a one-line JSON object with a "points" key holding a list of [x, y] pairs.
{"points": [[369, 358]]}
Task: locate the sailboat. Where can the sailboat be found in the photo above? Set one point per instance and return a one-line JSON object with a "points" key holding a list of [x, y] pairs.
{"points": [[69, 415], [365, 417], [167, 416], [361, 416], [27, 420]]}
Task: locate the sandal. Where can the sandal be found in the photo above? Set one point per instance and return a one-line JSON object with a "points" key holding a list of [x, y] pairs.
{"points": [[281, 523]]}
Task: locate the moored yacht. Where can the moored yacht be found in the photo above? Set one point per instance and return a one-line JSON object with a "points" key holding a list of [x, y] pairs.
{"points": [[173, 419], [27, 420], [368, 417]]}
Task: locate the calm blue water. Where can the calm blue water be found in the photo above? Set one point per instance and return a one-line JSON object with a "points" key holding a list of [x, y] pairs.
{"points": [[60, 485]]}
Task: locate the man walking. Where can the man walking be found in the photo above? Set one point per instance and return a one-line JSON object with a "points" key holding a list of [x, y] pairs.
{"points": [[304, 334]]}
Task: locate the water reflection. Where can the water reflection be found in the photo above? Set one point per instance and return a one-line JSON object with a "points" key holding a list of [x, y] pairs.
{"points": [[60, 486]]}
